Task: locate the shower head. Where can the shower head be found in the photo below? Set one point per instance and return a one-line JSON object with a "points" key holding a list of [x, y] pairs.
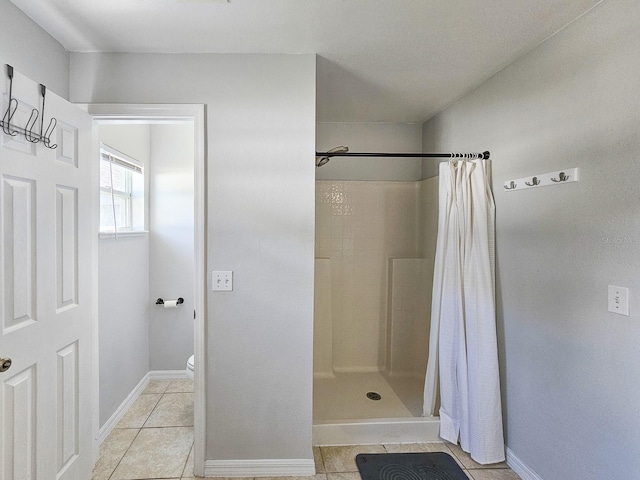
{"points": [[324, 160]]}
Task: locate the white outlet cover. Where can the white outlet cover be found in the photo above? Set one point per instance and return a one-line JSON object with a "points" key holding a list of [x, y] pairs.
{"points": [[618, 300]]}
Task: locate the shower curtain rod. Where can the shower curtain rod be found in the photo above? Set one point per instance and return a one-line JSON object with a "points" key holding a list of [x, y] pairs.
{"points": [[483, 155]]}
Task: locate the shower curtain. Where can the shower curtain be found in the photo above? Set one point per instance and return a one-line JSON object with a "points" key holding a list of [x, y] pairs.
{"points": [[463, 351]]}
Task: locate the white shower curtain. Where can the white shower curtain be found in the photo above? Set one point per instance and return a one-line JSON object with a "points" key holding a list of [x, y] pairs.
{"points": [[463, 347]]}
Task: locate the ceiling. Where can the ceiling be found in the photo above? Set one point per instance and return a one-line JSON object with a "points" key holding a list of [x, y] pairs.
{"points": [[378, 60]]}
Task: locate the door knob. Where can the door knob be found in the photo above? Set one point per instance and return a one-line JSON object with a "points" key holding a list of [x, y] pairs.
{"points": [[5, 364]]}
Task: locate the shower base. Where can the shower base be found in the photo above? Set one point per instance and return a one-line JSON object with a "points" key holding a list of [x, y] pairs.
{"points": [[343, 415]]}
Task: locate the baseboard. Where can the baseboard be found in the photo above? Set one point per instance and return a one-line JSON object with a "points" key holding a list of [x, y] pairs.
{"points": [[520, 467], [167, 374], [296, 467], [110, 424]]}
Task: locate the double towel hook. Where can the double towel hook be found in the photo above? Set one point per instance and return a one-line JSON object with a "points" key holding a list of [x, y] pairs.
{"points": [[9, 128], [562, 177], [534, 182]]}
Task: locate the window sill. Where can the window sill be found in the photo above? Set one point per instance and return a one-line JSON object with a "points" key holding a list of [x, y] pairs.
{"points": [[140, 233]]}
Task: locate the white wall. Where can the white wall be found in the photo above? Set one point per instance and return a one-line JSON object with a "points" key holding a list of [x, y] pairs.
{"points": [[370, 137], [260, 161], [123, 295], [171, 250], [569, 368], [32, 51]]}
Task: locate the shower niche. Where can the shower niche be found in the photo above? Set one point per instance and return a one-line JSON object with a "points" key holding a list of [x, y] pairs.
{"points": [[375, 244]]}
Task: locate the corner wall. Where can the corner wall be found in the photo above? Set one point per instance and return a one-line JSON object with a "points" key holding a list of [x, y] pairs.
{"points": [[569, 368], [32, 51], [171, 247], [123, 286], [260, 213]]}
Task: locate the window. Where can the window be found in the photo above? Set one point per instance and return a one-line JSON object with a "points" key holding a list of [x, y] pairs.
{"points": [[121, 192]]}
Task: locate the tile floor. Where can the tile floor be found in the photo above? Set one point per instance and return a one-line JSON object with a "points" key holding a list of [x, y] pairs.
{"points": [[154, 440]]}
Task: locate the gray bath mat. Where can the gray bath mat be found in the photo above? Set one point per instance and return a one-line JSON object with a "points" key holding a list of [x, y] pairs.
{"points": [[409, 466]]}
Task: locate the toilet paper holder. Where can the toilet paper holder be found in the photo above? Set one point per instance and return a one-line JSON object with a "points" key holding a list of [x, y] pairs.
{"points": [[160, 301]]}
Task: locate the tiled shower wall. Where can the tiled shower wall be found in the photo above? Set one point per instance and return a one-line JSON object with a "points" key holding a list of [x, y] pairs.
{"points": [[360, 226], [408, 315]]}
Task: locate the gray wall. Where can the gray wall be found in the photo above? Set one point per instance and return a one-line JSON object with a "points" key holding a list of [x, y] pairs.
{"points": [[123, 291], [370, 137], [135, 335], [569, 368], [261, 182], [171, 197], [32, 51]]}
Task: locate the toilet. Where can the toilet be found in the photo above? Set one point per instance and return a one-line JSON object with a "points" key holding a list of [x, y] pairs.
{"points": [[190, 367]]}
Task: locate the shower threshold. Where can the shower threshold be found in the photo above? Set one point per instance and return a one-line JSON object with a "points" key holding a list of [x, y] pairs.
{"points": [[377, 431]]}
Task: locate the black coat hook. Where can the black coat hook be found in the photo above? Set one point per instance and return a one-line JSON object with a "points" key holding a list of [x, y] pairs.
{"points": [[8, 128], [511, 185], [11, 107], [562, 177], [534, 182], [46, 136]]}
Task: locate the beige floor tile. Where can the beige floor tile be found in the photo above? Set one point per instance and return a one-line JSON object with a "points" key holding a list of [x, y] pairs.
{"points": [[493, 474], [317, 458], [112, 450], [344, 476], [468, 463], [227, 478], [417, 448], [422, 447], [173, 410], [188, 468], [157, 386], [343, 458], [156, 453], [180, 386], [318, 476], [139, 411]]}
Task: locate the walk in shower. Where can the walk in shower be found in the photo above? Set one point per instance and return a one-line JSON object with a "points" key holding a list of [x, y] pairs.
{"points": [[375, 244]]}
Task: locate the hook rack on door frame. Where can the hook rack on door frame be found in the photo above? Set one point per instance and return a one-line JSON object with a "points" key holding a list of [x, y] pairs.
{"points": [[12, 130]]}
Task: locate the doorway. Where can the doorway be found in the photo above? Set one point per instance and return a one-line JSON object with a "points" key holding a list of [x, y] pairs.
{"points": [[168, 223]]}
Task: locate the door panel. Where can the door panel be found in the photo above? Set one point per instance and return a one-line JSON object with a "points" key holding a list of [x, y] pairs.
{"points": [[67, 413], [67, 249], [19, 231], [45, 263], [19, 429]]}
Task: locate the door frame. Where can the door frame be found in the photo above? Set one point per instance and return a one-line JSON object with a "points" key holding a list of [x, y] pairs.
{"points": [[168, 112]]}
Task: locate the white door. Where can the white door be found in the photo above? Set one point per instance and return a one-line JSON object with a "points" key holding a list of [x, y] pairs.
{"points": [[45, 292]]}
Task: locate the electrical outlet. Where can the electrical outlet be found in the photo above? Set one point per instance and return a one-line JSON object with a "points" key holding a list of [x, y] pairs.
{"points": [[618, 300], [222, 281]]}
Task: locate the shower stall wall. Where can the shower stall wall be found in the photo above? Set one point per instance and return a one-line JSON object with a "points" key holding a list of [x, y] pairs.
{"points": [[375, 243]]}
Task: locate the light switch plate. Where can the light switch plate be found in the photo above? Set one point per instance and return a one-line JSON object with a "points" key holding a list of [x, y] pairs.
{"points": [[222, 281], [618, 300]]}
